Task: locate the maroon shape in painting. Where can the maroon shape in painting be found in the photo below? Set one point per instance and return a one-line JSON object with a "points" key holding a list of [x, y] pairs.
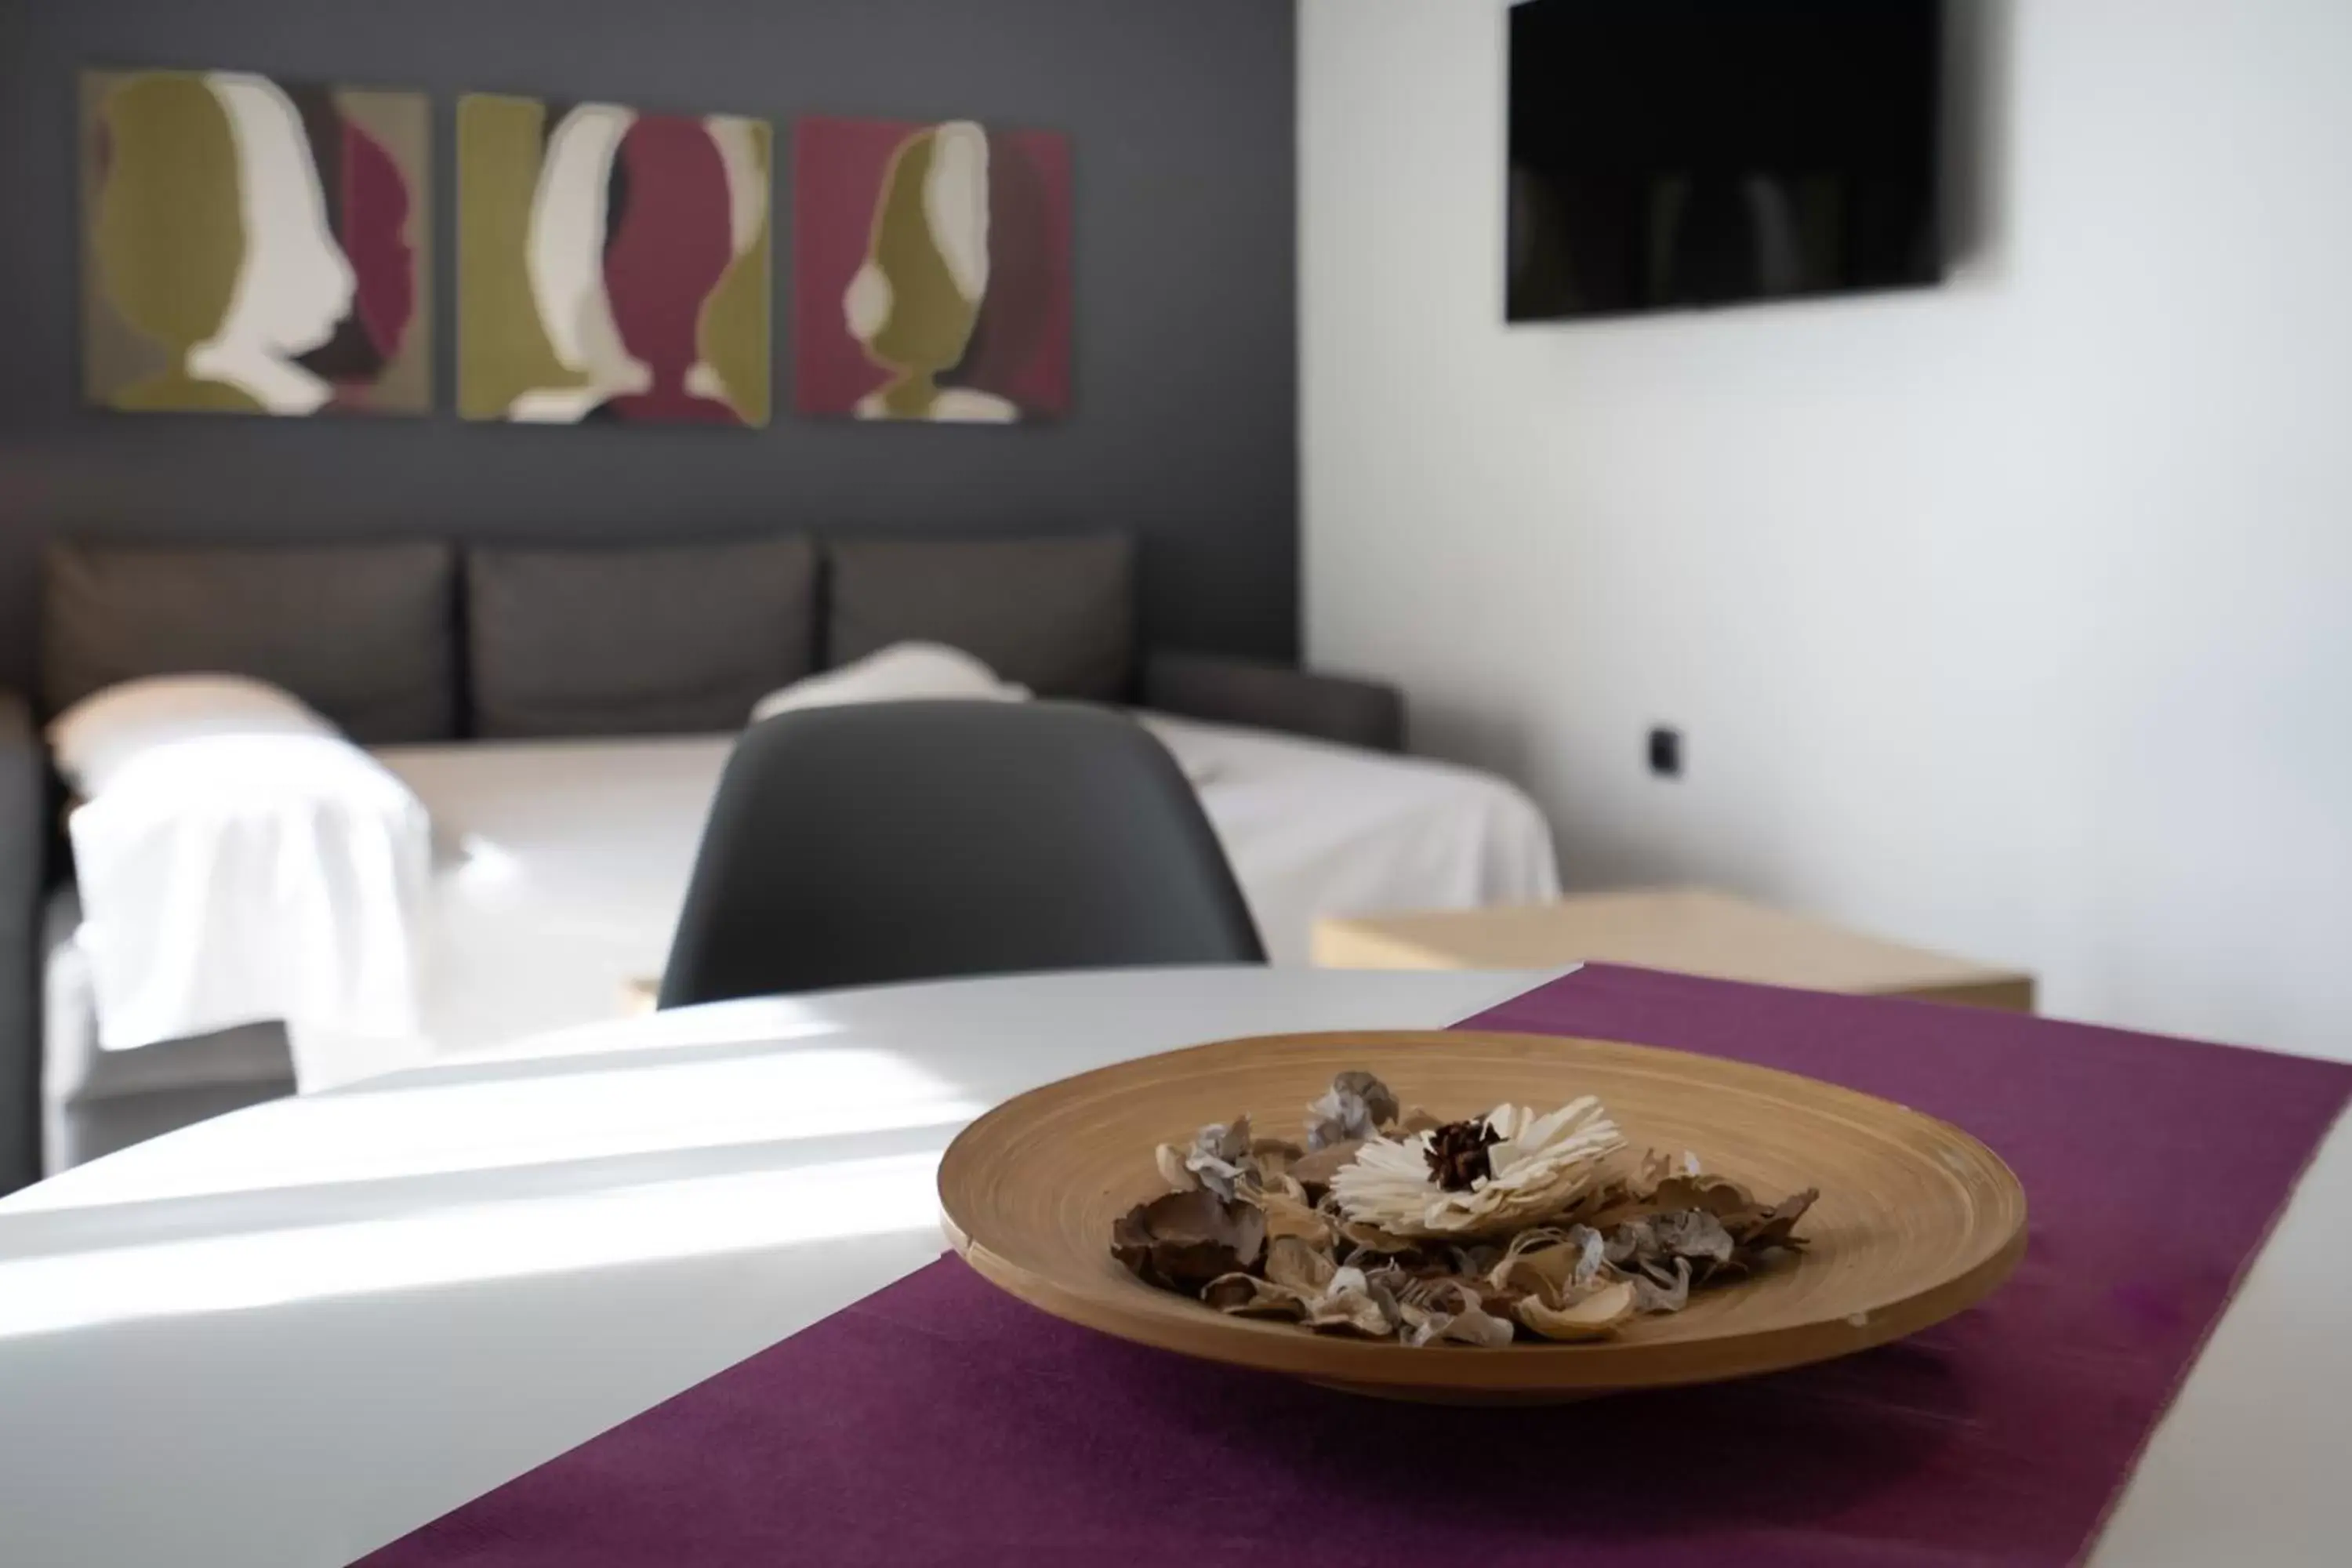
{"points": [[374, 237], [666, 245]]}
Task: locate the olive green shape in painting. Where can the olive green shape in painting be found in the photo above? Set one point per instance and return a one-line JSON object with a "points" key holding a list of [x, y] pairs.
{"points": [[930, 321], [733, 336], [169, 230], [503, 349]]}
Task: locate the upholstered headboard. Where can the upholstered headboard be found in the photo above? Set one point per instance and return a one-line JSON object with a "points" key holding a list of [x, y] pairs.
{"points": [[642, 641], [401, 643], [1055, 615], [365, 634]]}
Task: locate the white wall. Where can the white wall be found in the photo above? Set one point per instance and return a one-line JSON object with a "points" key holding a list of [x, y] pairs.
{"points": [[2013, 617]]}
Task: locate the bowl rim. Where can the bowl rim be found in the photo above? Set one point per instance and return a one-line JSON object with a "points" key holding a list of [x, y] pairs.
{"points": [[1376, 1365]]}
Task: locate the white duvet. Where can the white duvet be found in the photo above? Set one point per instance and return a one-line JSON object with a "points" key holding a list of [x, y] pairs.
{"points": [[562, 865], [237, 878]]}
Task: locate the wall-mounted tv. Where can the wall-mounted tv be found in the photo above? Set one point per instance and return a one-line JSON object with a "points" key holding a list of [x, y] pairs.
{"points": [[1674, 154]]}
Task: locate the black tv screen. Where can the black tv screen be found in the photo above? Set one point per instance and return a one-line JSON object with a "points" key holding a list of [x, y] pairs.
{"points": [[1670, 153]]}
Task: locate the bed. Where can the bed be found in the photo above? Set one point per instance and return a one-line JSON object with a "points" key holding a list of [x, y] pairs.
{"points": [[563, 864], [565, 823]]}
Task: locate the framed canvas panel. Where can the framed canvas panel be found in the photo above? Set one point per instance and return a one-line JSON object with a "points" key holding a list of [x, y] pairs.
{"points": [[931, 271], [611, 264], [255, 246]]}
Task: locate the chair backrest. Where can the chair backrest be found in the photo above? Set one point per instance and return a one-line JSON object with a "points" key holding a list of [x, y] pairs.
{"points": [[912, 840]]}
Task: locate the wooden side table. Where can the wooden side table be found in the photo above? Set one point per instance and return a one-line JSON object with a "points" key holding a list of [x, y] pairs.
{"points": [[1690, 931]]}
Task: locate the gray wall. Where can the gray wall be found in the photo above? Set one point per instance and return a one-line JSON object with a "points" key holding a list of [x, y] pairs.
{"points": [[1184, 420]]}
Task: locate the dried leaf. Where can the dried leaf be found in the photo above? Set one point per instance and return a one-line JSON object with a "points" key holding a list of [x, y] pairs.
{"points": [[1378, 1098], [1256, 1226], [1247, 1295], [1717, 1195], [1669, 1296], [1352, 1304], [1451, 1310], [1284, 1185], [1314, 1171], [1591, 1255], [1475, 1259], [1641, 1198], [1372, 1238], [1694, 1234], [1272, 1157], [1290, 1216], [1538, 1263], [1771, 1226], [1356, 1106], [1182, 1241], [1594, 1315], [1299, 1265], [1625, 1245], [1220, 1154]]}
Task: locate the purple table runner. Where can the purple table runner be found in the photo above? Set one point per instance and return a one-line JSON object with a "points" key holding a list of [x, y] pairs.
{"points": [[939, 1421]]}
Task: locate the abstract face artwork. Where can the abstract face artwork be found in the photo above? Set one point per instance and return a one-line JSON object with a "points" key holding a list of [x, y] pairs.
{"points": [[931, 271], [253, 244], [611, 264]]}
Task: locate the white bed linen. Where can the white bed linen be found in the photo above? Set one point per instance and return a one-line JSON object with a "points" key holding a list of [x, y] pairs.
{"points": [[562, 865], [560, 868], [234, 879], [1315, 829]]}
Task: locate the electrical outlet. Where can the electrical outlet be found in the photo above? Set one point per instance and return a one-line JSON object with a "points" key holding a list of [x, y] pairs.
{"points": [[1666, 751]]}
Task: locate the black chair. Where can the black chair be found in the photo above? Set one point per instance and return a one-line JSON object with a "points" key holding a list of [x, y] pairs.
{"points": [[912, 840]]}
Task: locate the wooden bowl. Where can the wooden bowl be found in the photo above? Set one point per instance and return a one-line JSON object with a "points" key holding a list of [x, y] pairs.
{"points": [[1917, 1220]]}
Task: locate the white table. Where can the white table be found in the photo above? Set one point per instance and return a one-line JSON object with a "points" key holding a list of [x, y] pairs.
{"points": [[291, 1334]]}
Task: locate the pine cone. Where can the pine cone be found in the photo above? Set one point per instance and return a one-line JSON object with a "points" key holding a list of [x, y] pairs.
{"points": [[1457, 1154]]}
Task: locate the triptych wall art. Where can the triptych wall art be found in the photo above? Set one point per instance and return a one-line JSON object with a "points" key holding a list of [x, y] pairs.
{"points": [[261, 246]]}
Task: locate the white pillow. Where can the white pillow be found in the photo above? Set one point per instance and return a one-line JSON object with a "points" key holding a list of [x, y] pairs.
{"points": [[108, 731], [903, 672]]}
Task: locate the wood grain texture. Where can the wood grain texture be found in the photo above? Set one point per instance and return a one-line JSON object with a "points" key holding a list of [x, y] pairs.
{"points": [[1916, 1219], [1688, 930]]}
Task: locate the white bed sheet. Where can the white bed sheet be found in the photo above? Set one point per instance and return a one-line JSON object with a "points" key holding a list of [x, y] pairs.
{"points": [[560, 868], [1315, 829], [562, 865]]}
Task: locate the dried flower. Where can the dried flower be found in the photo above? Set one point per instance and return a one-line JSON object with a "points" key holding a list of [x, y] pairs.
{"points": [[1457, 1153], [1468, 1232], [1538, 1166]]}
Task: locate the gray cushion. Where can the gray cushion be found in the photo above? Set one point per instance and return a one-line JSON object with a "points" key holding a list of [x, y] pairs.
{"points": [[365, 634], [675, 639], [1055, 615]]}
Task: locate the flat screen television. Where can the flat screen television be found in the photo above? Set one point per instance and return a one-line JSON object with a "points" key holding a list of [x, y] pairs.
{"points": [[1674, 153]]}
